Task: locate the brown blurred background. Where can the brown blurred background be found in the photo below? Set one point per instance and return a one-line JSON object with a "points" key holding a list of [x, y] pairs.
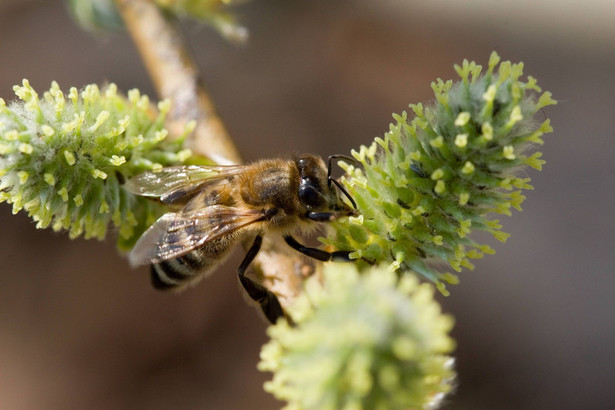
{"points": [[535, 325]]}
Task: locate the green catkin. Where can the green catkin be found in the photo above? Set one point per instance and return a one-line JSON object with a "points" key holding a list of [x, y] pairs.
{"points": [[435, 177], [63, 158], [372, 337], [361, 341]]}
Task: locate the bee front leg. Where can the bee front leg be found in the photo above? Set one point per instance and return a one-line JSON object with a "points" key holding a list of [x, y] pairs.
{"points": [[326, 216], [318, 254], [266, 299]]}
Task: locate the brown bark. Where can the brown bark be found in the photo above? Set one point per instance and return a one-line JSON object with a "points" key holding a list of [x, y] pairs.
{"points": [[176, 77]]}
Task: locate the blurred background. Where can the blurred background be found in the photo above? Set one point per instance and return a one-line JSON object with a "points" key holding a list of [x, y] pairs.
{"points": [[534, 322]]}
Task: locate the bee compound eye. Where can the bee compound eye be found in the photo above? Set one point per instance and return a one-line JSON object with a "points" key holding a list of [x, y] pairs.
{"points": [[309, 194], [303, 166]]}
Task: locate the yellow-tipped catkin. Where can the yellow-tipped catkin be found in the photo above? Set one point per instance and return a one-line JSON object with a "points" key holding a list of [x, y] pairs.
{"points": [[72, 155], [449, 165]]}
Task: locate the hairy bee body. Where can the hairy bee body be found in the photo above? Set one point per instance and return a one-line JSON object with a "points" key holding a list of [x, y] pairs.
{"points": [[222, 205]]}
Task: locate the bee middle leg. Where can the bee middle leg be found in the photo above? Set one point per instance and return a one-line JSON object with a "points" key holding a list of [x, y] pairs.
{"points": [[266, 299], [319, 254]]}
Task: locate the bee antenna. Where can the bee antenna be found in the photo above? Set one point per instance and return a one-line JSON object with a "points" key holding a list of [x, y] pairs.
{"points": [[336, 156], [335, 181], [341, 188]]}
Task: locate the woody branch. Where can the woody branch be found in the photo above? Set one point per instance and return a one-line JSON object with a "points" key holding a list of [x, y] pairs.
{"points": [[176, 77]]}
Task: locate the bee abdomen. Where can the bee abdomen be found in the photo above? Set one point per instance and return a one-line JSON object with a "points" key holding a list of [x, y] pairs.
{"points": [[174, 273]]}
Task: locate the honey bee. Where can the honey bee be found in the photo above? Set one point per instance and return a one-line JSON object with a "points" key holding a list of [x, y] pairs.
{"points": [[216, 207]]}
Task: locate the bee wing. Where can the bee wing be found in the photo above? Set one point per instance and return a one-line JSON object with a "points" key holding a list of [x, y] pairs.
{"points": [[172, 184], [175, 234]]}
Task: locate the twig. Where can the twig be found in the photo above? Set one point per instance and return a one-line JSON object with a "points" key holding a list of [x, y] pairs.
{"points": [[175, 77]]}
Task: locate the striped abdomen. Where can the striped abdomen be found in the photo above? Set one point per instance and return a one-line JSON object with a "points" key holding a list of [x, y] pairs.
{"points": [[175, 274]]}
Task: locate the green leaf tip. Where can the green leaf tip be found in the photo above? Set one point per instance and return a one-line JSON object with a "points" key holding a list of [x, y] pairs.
{"points": [[98, 15], [361, 341], [432, 179], [63, 158], [213, 12]]}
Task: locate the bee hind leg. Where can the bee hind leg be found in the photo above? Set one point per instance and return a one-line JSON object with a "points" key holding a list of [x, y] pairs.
{"points": [[266, 299]]}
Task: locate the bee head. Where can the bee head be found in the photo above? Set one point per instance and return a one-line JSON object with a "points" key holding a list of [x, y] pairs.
{"points": [[316, 192]]}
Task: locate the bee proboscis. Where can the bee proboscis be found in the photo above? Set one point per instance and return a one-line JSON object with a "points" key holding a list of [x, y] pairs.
{"points": [[218, 206]]}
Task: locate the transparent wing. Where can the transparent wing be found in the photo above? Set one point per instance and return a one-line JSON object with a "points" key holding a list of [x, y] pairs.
{"points": [[172, 184], [175, 234]]}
